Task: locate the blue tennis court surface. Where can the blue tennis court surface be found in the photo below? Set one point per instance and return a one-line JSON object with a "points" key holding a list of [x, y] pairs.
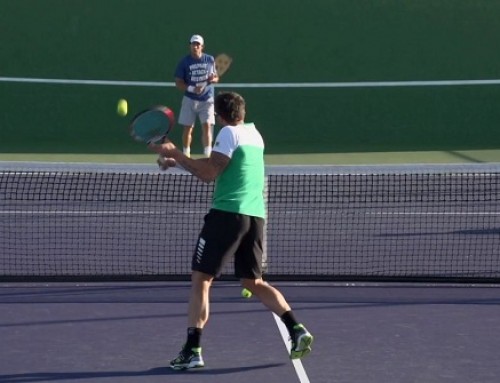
{"points": [[127, 332]]}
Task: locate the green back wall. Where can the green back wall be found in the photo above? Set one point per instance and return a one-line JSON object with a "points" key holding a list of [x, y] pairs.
{"points": [[273, 41]]}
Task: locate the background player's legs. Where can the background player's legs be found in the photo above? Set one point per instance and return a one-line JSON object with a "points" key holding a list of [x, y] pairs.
{"points": [[187, 138], [187, 117], [206, 138], [207, 119]]}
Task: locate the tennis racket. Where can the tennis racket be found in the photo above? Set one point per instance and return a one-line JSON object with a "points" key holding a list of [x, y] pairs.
{"points": [[222, 63], [152, 125]]}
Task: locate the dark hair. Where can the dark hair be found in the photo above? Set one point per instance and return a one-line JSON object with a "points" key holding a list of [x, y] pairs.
{"points": [[230, 106]]}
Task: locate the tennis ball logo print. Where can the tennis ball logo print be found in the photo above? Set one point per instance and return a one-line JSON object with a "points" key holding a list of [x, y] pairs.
{"points": [[122, 107]]}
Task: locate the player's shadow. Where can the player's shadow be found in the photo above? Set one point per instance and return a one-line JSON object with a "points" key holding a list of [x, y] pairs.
{"points": [[223, 371], [159, 371]]}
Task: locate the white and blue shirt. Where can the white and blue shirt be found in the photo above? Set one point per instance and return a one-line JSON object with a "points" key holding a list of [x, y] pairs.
{"points": [[194, 72]]}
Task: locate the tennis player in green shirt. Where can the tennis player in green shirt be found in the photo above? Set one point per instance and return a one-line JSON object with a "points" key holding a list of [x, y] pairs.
{"points": [[234, 226]]}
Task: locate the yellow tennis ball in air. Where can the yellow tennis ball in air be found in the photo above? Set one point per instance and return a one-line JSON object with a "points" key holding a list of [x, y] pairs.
{"points": [[122, 107], [245, 293]]}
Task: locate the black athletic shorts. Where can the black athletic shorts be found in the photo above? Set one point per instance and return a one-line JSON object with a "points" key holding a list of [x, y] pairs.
{"points": [[225, 235]]}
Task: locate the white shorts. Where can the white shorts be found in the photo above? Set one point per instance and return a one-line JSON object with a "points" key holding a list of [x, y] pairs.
{"points": [[192, 108]]}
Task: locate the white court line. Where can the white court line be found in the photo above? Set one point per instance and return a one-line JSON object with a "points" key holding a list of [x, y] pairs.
{"points": [[432, 213], [159, 211], [351, 212], [84, 82], [358, 84], [297, 364], [79, 212], [98, 212]]}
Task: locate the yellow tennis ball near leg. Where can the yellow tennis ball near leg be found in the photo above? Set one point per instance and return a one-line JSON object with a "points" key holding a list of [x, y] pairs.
{"points": [[122, 107], [245, 293]]}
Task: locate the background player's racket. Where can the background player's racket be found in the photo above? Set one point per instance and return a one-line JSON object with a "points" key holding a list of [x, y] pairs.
{"points": [[222, 64], [152, 125]]}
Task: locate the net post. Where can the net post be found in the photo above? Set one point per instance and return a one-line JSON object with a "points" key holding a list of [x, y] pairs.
{"points": [[264, 241]]}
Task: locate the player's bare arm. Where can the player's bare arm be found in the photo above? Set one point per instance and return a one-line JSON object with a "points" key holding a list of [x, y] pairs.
{"points": [[206, 169], [180, 84]]}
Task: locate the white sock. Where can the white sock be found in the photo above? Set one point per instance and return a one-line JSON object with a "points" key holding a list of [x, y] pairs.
{"points": [[207, 151], [187, 151]]}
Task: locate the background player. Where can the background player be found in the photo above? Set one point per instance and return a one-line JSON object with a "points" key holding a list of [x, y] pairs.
{"points": [[193, 76]]}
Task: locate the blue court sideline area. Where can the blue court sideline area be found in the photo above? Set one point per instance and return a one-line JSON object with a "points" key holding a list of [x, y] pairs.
{"points": [[127, 332]]}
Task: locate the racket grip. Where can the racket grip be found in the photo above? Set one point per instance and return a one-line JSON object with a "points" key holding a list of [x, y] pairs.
{"points": [[157, 140], [164, 162]]}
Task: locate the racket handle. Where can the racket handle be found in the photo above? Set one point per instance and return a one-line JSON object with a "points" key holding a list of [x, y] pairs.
{"points": [[157, 140], [165, 162]]}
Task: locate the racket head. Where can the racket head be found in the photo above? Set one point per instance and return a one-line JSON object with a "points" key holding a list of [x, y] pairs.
{"points": [[222, 63], [152, 125]]}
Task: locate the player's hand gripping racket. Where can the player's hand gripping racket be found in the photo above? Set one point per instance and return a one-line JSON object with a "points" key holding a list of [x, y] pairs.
{"points": [[152, 125]]}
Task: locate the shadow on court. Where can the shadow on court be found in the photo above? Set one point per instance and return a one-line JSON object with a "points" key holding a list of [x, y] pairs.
{"points": [[160, 371]]}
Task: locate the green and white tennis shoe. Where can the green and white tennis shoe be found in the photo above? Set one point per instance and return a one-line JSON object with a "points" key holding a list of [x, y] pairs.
{"points": [[301, 342], [188, 359]]}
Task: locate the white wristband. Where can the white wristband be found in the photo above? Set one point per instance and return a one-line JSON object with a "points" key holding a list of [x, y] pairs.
{"points": [[190, 89]]}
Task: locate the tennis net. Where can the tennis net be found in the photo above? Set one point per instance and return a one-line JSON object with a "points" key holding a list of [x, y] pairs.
{"points": [[132, 222]]}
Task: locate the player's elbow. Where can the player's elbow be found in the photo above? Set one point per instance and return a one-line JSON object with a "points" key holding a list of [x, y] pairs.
{"points": [[209, 174], [180, 84]]}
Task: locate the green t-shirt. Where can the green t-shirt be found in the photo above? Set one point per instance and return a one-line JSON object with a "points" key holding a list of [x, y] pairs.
{"points": [[240, 187]]}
